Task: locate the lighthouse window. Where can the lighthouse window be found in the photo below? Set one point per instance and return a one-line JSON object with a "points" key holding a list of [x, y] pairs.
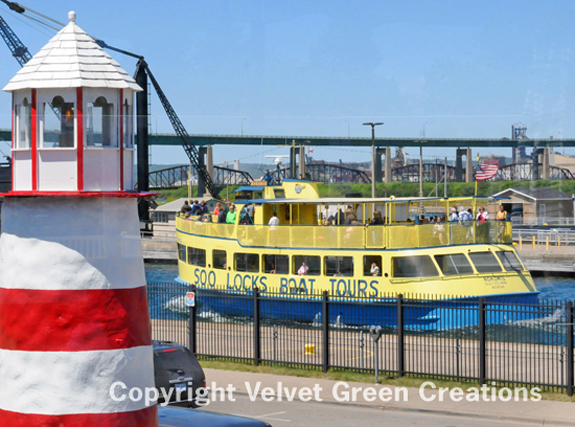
{"points": [[58, 123], [276, 264], [485, 262], [197, 257], [220, 259], [338, 265], [23, 124], [128, 121], [510, 261], [312, 265], [453, 264], [182, 252], [247, 262], [100, 123], [414, 266]]}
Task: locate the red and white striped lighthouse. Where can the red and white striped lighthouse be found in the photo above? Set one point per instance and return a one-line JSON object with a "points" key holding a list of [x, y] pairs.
{"points": [[74, 324]]}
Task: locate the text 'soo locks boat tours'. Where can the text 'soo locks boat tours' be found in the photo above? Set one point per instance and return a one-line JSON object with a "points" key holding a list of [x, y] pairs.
{"points": [[313, 244]]}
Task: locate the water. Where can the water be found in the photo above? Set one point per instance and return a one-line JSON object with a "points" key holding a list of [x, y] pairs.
{"points": [[551, 287]]}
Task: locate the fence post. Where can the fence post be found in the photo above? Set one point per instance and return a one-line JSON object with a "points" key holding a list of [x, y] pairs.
{"points": [[192, 322], [569, 345], [325, 332], [257, 343], [482, 355], [400, 337]]}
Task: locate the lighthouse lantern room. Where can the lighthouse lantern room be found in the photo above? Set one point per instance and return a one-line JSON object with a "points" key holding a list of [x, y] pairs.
{"points": [[73, 113]]}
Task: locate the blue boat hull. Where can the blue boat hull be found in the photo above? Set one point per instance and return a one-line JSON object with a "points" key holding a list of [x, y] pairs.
{"points": [[424, 315]]}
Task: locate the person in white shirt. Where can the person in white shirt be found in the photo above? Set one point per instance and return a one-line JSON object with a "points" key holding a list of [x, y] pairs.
{"points": [[274, 220], [374, 269], [303, 269], [453, 216]]}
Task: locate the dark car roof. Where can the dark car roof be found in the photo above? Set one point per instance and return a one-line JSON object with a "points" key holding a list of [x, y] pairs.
{"points": [[162, 345], [183, 417]]}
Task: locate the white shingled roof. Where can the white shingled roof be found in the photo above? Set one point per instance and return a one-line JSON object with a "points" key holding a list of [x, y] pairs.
{"points": [[71, 59]]}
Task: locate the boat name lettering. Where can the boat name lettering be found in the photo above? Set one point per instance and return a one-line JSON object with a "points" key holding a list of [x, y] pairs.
{"points": [[495, 282], [236, 282], [353, 287], [296, 286]]}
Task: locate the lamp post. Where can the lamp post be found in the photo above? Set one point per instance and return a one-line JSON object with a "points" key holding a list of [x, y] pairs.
{"points": [[373, 125], [243, 126]]}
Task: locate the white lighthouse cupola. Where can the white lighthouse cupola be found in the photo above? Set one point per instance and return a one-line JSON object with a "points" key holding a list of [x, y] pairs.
{"points": [[73, 112]]}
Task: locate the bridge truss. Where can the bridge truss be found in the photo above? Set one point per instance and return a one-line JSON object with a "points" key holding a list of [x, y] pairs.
{"points": [[177, 176]]}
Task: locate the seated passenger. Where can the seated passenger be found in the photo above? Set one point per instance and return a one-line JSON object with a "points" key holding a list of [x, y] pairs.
{"points": [[374, 269], [303, 269], [377, 219]]}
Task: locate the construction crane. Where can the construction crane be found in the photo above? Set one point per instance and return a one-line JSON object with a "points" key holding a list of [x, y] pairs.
{"points": [[19, 51]]}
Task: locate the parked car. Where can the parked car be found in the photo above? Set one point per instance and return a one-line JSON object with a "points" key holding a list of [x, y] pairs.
{"points": [[176, 368], [170, 416]]}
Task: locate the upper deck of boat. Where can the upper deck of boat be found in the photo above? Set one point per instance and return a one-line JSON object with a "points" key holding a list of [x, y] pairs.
{"points": [[303, 221]]}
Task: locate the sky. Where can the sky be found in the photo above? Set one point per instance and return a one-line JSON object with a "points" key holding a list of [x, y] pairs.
{"points": [[321, 68]]}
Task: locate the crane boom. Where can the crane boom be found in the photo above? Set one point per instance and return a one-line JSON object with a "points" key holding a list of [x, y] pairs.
{"points": [[189, 146], [19, 51]]}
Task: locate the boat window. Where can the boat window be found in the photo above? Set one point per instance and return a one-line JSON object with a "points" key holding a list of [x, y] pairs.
{"points": [[313, 264], [510, 261], [485, 262], [220, 259], [414, 266], [247, 262], [197, 257], [368, 262], [276, 264], [181, 252], [280, 194], [454, 264], [338, 265]]}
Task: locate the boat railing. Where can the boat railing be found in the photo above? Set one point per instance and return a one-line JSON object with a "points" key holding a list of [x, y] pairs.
{"points": [[392, 236]]}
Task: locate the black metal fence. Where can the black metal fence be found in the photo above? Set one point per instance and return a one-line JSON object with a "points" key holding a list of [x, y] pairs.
{"points": [[498, 342]]}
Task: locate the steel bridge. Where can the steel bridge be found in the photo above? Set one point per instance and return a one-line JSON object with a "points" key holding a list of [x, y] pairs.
{"points": [[177, 176], [525, 172]]}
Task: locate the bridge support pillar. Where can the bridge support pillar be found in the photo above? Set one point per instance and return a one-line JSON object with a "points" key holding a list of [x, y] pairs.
{"points": [[459, 153], [292, 162], [302, 174], [377, 164], [202, 161], [210, 162], [546, 169], [468, 166], [387, 165]]}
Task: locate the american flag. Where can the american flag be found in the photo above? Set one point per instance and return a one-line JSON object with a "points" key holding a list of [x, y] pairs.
{"points": [[309, 150], [486, 171]]}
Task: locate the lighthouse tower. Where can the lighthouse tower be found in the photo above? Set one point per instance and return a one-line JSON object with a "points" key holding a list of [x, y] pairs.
{"points": [[74, 326]]}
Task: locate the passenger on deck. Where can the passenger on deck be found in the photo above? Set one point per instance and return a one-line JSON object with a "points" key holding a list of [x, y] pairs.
{"points": [[350, 216], [274, 220], [218, 208], [232, 215], [377, 219], [438, 230], [303, 269], [185, 208], [222, 216], [374, 269]]}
